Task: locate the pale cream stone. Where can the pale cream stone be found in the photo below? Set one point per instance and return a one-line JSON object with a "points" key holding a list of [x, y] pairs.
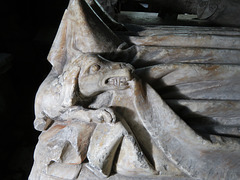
{"points": [[101, 118]]}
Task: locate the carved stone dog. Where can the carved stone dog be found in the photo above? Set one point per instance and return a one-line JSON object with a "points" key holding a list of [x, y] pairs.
{"points": [[72, 131], [58, 99]]}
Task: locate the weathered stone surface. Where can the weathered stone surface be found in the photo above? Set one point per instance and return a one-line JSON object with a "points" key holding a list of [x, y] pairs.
{"points": [[101, 118], [194, 81], [188, 40], [209, 116], [166, 29], [85, 174], [176, 139], [154, 55], [221, 111]]}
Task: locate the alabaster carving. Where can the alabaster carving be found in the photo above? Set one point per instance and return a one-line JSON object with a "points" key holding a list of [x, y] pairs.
{"points": [[111, 110]]}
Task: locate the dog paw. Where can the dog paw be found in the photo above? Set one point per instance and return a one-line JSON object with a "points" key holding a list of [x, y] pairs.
{"points": [[106, 115]]}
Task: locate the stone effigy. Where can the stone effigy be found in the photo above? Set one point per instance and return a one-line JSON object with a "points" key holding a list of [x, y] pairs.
{"points": [[101, 110]]}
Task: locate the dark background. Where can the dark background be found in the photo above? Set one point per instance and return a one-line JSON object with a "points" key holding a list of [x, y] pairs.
{"points": [[27, 30]]}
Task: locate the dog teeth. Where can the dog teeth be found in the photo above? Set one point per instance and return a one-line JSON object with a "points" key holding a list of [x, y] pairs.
{"points": [[123, 79], [117, 81], [110, 81]]}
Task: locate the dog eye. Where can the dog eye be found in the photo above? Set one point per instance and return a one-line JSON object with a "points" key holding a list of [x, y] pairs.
{"points": [[94, 68]]}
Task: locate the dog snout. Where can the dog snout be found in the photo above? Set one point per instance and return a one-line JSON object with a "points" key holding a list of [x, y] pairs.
{"points": [[125, 66], [116, 66]]}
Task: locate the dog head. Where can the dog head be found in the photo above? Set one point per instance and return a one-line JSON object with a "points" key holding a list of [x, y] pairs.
{"points": [[98, 75], [90, 75]]}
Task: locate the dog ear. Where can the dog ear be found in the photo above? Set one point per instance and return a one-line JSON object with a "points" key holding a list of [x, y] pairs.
{"points": [[69, 92]]}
